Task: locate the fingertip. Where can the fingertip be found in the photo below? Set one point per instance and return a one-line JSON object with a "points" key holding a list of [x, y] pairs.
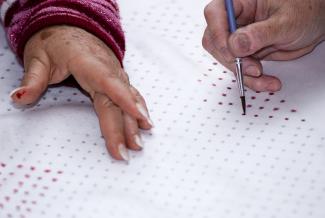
{"points": [[25, 95], [265, 83], [144, 114], [275, 85], [118, 152], [135, 143], [20, 96], [14, 93], [145, 125], [123, 152]]}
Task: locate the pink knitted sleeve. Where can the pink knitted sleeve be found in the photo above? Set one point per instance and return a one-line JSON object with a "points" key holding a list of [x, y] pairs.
{"points": [[23, 18]]}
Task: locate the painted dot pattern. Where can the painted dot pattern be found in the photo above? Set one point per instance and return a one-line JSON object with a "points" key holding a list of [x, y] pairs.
{"points": [[204, 159]]}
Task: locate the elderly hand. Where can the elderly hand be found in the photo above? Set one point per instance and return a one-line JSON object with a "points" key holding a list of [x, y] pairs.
{"points": [[57, 52], [270, 30]]}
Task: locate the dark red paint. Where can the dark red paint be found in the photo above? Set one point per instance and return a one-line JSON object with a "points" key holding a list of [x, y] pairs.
{"points": [[19, 95]]}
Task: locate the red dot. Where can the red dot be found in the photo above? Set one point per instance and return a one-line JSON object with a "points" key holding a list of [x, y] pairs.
{"points": [[19, 166], [253, 97], [293, 110], [249, 106], [32, 168], [224, 94], [258, 92], [3, 165], [27, 176], [47, 171], [271, 93]]}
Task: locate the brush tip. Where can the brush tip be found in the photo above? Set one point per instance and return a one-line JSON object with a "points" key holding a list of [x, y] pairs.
{"points": [[243, 102]]}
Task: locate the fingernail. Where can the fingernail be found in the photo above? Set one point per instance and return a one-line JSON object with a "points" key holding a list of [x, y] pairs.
{"points": [[151, 123], [19, 92], [138, 141], [123, 152], [144, 113], [142, 110], [241, 42], [253, 71]]}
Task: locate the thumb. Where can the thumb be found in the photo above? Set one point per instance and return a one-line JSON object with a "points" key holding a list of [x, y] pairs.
{"points": [[34, 83], [252, 38]]}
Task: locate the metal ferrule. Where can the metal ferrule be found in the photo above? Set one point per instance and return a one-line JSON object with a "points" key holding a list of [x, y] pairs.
{"points": [[239, 75]]}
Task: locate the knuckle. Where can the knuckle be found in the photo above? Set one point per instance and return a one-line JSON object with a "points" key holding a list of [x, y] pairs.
{"points": [[208, 10], [107, 103], [205, 42]]}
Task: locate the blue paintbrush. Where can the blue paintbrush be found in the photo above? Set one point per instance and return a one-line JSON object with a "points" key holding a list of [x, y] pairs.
{"points": [[239, 70]]}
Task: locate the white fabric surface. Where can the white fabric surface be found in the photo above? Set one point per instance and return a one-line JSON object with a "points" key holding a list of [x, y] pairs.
{"points": [[203, 159]]}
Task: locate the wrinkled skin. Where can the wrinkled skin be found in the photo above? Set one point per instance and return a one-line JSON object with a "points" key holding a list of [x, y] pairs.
{"points": [[57, 52], [270, 30]]}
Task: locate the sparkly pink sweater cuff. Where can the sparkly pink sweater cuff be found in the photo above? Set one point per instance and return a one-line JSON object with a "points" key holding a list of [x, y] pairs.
{"points": [[23, 18]]}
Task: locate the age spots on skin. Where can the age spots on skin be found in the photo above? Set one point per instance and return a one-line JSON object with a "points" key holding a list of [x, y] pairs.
{"points": [[46, 34]]}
